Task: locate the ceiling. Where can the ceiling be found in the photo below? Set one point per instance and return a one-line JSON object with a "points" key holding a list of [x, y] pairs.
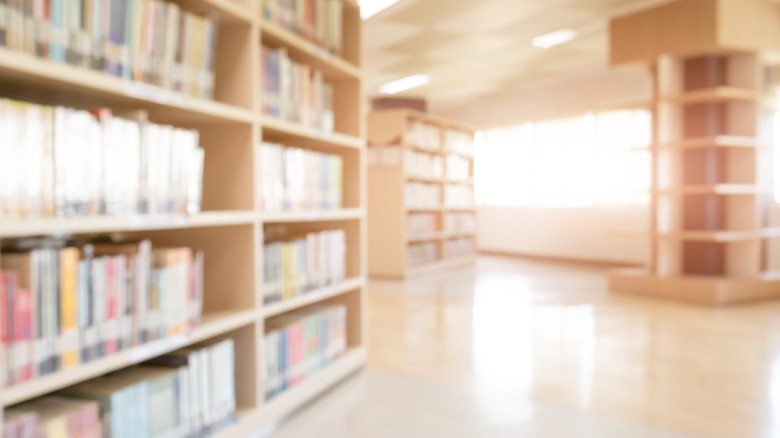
{"points": [[478, 47]]}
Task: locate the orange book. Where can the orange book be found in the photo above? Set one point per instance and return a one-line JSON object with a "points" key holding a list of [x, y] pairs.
{"points": [[69, 335]]}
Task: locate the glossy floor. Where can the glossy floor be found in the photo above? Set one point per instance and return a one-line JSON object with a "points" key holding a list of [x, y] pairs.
{"points": [[528, 345]]}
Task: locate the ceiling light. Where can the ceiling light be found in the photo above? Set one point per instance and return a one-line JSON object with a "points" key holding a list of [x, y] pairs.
{"points": [[369, 8], [554, 38], [404, 84]]}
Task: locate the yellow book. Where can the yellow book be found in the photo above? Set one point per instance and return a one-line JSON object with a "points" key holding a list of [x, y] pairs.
{"points": [[69, 336]]}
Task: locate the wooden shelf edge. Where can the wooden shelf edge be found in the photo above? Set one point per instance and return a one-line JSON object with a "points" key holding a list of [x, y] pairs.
{"points": [[723, 93], [228, 11], [33, 68], [317, 56], [103, 224], [312, 215], [717, 189], [213, 324], [312, 297], [295, 129], [721, 141]]}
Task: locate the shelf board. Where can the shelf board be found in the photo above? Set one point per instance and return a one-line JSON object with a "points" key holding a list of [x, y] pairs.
{"points": [[441, 264], [83, 87], [312, 297], [104, 224], [212, 325], [424, 180], [716, 189], [416, 148], [302, 50], [436, 235], [460, 154], [719, 141], [312, 215], [431, 208], [715, 94], [226, 11], [453, 234], [284, 129], [463, 208], [465, 182]]}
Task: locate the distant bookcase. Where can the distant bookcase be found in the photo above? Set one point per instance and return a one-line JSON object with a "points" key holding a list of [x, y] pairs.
{"points": [[232, 228], [421, 204]]}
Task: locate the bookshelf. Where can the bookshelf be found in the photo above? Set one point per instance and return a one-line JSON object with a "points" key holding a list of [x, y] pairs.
{"points": [[232, 226], [713, 105], [411, 148]]}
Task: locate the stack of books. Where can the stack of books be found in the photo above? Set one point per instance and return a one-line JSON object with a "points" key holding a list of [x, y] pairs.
{"points": [[460, 222], [418, 254], [457, 248], [295, 92], [458, 168], [422, 195], [319, 21], [62, 162], [62, 305], [143, 40], [458, 196], [303, 264], [186, 393], [423, 135], [459, 142], [299, 344], [422, 165], [420, 223], [299, 179]]}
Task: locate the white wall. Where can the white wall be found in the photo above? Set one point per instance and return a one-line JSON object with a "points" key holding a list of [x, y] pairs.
{"points": [[571, 233]]}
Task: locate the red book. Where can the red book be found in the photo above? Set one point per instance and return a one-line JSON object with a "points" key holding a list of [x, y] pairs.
{"points": [[112, 324], [4, 332], [23, 338]]}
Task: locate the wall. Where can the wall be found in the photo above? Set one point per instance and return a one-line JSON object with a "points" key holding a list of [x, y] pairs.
{"points": [[582, 233], [569, 233]]}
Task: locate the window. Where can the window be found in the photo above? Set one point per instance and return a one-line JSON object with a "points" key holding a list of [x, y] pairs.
{"points": [[575, 162]]}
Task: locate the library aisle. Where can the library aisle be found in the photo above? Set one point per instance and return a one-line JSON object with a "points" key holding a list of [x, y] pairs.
{"points": [[515, 348]]}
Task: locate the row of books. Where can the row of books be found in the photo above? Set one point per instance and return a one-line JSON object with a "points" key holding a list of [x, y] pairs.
{"points": [[418, 254], [459, 142], [423, 135], [62, 162], [457, 248], [143, 40], [384, 156], [456, 195], [422, 195], [300, 344], [422, 165], [421, 223], [460, 222], [319, 21], [299, 179], [295, 92], [303, 264], [458, 168], [61, 306], [188, 393]]}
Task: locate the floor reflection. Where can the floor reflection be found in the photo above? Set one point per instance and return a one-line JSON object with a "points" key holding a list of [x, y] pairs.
{"points": [[552, 334]]}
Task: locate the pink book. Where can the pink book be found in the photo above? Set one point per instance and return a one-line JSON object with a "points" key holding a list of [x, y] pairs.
{"points": [[23, 323], [112, 324]]}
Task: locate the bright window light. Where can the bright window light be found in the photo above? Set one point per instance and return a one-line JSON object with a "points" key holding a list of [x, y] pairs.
{"points": [[369, 8], [554, 38], [404, 84]]}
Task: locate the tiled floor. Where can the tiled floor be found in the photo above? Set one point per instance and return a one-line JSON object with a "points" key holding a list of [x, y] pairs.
{"points": [[516, 348]]}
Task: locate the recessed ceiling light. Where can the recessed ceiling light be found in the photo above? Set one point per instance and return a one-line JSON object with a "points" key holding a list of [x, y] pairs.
{"points": [[404, 84], [369, 8], [554, 38]]}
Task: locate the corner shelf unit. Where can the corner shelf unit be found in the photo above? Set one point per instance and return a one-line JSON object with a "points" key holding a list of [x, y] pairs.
{"points": [[440, 165], [709, 220], [232, 225]]}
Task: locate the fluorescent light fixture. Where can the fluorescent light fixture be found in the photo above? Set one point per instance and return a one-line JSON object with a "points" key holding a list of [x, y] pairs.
{"points": [[404, 84], [554, 38], [369, 8]]}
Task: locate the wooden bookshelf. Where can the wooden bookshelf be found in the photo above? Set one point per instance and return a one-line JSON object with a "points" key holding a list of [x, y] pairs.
{"points": [[389, 208], [709, 224], [232, 225]]}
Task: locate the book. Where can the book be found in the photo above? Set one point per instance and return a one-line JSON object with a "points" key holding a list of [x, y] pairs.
{"points": [[302, 264], [423, 135], [422, 195], [421, 223], [295, 92], [459, 196], [318, 21], [457, 248], [301, 343], [423, 165], [65, 305], [459, 222], [78, 163], [298, 179], [418, 254], [459, 142]]}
